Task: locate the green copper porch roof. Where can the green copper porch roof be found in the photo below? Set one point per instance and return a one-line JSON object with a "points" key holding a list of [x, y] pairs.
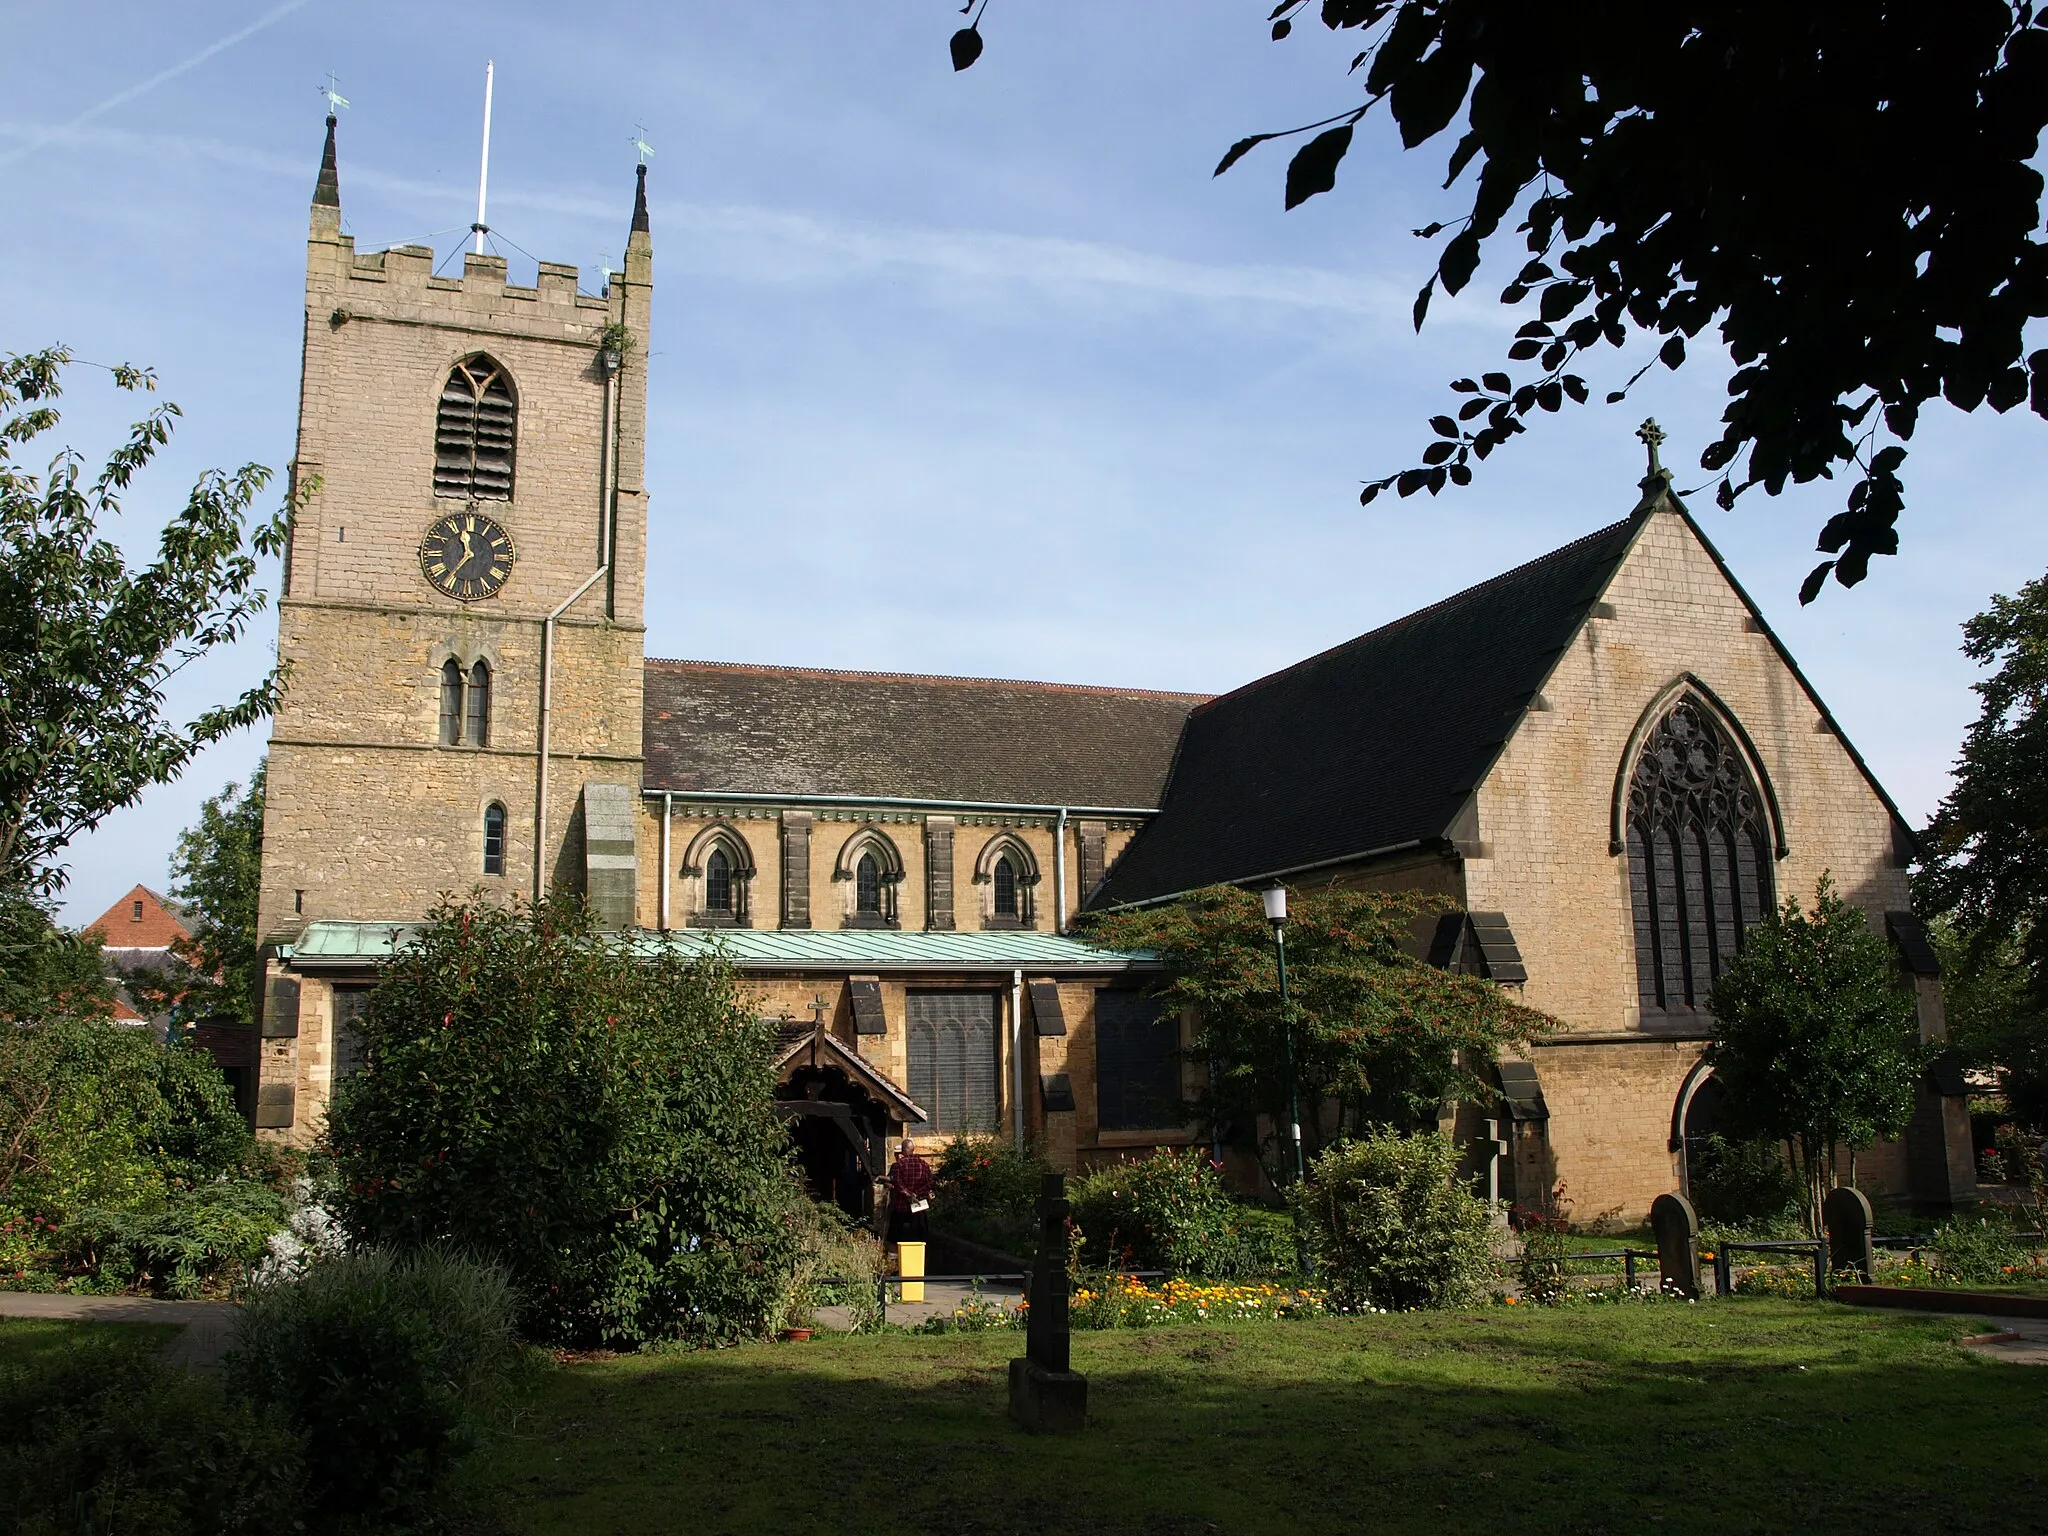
{"points": [[345, 945]]}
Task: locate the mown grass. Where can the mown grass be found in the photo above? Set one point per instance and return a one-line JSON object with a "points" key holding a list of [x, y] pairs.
{"points": [[34, 1344], [1737, 1416]]}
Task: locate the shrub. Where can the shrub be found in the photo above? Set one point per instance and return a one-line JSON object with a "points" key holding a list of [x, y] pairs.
{"points": [[838, 1263], [1393, 1227], [197, 1238], [1978, 1251], [387, 1364], [986, 1190], [600, 1121], [96, 1434], [1172, 1211], [94, 1113], [1546, 1241], [1743, 1184]]}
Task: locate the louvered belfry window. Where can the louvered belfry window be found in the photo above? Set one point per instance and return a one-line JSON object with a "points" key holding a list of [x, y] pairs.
{"points": [[1698, 858], [475, 432]]}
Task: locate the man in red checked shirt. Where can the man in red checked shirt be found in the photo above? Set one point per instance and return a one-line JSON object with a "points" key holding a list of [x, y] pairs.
{"points": [[910, 1195]]}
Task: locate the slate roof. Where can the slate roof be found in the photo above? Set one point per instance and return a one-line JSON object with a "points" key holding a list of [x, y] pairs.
{"points": [[1372, 745], [797, 731]]}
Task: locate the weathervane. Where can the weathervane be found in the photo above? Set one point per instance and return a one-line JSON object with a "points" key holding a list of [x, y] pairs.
{"points": [[640, 143], [331, 90], [1652, 435]]}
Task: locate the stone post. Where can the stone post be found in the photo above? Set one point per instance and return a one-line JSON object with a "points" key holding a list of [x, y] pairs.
{"points": [[1045, 1393], [1678, 1245]]}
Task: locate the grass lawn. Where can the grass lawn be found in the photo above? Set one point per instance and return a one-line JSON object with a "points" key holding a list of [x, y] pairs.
{"points": [[32, 1343], [1725, 1417]]}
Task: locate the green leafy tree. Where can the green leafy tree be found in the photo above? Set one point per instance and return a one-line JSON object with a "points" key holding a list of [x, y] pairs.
{"points": [[46, 972], [217, 874], [1815, 1039], [1378, 1034], [1987, 870], [1846, 192], [87, 645], [599, 1121], [1996, 1016]]}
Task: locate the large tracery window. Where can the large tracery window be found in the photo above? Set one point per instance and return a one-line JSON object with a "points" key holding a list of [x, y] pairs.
{"points": [[1698, 857], [474, 432]]}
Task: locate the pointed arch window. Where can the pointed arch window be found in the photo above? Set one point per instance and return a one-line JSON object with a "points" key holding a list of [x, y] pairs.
{"points": [[867, 886], [451, 703], [1006, 888], [476, 728], [494, 839], [1698, 857], [475, 432], [718, 883]]}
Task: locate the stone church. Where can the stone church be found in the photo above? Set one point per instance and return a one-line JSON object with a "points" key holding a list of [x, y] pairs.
{"points": [[1605, 757]]}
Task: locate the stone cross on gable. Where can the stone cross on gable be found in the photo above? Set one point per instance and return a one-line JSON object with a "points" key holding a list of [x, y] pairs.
{"points": [[1652, 435]]}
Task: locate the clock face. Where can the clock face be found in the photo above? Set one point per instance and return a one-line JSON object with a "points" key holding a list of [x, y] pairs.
{"points": [[467, 555]]}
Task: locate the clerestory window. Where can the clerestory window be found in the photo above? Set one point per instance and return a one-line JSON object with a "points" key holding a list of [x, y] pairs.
{"points": [[475, 432], [867, 886], [1698, 857], [718, 883], [1006, 887]]}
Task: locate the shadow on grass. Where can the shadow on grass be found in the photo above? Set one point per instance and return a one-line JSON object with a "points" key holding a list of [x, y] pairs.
{"points": [[1725, 1420]]}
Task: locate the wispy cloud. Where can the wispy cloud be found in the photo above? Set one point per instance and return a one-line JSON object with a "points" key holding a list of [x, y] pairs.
{"points": [[770, 245], [38, 139]]}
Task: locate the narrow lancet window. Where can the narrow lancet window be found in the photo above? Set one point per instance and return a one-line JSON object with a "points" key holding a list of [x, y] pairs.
{"points": [[451, 704], [494, 839], [477, 727]]}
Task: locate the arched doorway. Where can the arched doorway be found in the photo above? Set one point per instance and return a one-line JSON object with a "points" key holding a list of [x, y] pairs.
{"points": [[1701, 1111]]}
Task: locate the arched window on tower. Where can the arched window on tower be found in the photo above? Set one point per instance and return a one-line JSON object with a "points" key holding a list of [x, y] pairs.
{"points": [[718, 884], [494, 839], [475, 432], [1006, 887], [451, 703], [477, 720], [867, 886], [1698, 857]]}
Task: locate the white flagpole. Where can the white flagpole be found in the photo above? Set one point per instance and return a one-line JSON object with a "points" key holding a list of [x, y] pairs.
{"points": [[483, 179]]}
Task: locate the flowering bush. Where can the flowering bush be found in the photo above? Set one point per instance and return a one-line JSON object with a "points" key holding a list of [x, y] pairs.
{"points": [[986, 1190], [1172, 1211], [1121, 1301]]}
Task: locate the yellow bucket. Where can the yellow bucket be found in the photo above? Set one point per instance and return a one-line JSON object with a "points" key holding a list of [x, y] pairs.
{"points": [[910, 1265]]}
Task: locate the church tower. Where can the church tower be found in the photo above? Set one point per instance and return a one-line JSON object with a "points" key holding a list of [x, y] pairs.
{"points": [[462, 607]]}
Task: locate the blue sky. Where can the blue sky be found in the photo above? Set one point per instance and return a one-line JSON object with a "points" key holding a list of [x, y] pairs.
{"points": [[970, 373]]}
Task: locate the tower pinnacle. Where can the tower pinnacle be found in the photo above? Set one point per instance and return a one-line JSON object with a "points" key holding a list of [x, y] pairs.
{"points": [[640, 201], [327, 190]]}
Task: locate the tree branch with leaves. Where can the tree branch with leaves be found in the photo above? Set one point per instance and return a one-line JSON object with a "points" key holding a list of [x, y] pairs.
{"points": [[87, 645], [1845, 190]]}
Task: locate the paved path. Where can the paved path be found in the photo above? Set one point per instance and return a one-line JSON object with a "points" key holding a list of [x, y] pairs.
{"points": [[940, 1296], [206, 1329], [2030, 1348]]}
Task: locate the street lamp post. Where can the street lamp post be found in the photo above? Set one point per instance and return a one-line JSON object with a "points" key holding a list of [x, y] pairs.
{"points": [[1276, 913]]}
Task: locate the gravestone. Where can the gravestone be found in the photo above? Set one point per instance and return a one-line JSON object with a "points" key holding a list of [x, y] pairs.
{"points": [[1678, 1245], [1846, 1215], [1044, 1392]]}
